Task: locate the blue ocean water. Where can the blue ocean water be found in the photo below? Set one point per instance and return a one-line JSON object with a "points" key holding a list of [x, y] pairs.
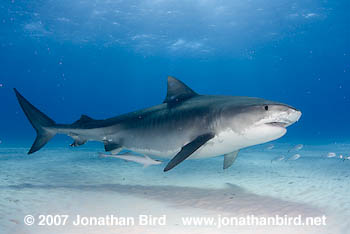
{"points": [[104, 58], [109, 57]]}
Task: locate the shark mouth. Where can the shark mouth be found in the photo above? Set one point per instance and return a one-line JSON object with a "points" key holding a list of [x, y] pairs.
{"points": [[285, 120], [280, 124]]}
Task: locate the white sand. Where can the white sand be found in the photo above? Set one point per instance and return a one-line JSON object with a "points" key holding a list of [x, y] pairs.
{"points": [[65, 181]]}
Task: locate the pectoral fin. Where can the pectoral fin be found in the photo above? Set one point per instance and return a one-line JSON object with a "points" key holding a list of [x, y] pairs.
{"points": [[230, 158], [188, 149]]}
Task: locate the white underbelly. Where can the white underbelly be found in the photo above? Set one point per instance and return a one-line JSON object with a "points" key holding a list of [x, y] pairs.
{"points": [[225, 142]]}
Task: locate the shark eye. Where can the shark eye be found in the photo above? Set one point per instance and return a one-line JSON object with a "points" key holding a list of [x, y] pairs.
{"points": [[267, 108]]}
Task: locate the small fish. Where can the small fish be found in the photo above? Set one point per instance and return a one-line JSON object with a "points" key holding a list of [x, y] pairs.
{"points": [[344, 157], [270, 147], [294, 157], [144, 160], [331, 155], [297, 147], [278, 158]]}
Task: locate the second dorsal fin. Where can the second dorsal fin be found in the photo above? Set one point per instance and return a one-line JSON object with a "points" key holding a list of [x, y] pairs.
{"points": [[83, 119], [178, 91]]}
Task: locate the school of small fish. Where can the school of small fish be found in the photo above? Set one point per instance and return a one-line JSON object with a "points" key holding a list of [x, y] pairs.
{"points": [[296, 156]]}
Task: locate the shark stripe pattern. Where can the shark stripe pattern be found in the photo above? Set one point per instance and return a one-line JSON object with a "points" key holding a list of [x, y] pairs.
{"points": [[185, 125]]}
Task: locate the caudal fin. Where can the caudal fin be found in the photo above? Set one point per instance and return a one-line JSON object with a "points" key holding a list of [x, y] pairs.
{"points": [[40, 122]]}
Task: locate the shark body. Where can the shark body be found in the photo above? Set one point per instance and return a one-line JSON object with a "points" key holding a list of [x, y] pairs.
{"points": [[185, 125]]}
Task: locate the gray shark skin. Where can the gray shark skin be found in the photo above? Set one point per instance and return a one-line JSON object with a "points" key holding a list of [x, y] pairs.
{"points": [[185, 125]]}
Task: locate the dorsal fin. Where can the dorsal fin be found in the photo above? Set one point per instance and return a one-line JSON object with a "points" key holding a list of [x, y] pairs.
{"points": [[178, 91], [83, 119]]}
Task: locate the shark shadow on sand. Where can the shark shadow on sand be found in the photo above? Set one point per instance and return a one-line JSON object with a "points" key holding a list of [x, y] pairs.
{"points": [[232, 199]]}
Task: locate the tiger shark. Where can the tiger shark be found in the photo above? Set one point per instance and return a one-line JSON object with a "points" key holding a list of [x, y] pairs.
{"points": [[185, 125]]}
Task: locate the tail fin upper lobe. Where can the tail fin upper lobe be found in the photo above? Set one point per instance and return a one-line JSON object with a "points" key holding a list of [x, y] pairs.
{"points": [[40, 122]]}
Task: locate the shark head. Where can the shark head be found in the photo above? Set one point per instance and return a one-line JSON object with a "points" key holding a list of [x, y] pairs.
{"points": [[277, 115], [258, 120]]}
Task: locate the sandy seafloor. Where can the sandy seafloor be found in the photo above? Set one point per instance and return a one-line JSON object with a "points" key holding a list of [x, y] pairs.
{"points": [[62, 180]]}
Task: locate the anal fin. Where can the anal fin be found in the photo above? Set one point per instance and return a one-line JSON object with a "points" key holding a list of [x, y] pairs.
{"points": [[112, 147], [78, 142]]}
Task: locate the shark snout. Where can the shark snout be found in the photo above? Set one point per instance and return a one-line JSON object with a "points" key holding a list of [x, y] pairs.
{"points": [[293, 115], [282, 116]]}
